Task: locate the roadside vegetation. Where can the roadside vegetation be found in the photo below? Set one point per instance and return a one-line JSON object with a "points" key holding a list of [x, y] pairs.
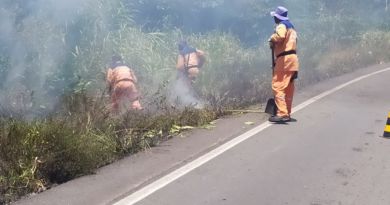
{"points": [[55, 123]]}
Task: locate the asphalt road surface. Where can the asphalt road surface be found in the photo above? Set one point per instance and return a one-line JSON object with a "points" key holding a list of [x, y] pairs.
{"points": [[332, 154]]}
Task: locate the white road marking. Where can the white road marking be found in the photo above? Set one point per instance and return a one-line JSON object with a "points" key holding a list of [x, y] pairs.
{"points": [[326, 93], [167, 179]]}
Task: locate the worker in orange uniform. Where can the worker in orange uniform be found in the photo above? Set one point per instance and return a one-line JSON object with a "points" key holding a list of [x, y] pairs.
{"points": [[284, 44], [189, 61], [122, 85]]}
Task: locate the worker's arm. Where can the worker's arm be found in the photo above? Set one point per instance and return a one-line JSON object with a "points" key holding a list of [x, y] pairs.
{"points": [[109, 76], [133, 76], [180, 63], [280, 34], [201, 57], [109, 79]]}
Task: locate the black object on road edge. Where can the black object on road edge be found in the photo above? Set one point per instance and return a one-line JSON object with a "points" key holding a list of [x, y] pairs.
{"points": [[271, 108]]}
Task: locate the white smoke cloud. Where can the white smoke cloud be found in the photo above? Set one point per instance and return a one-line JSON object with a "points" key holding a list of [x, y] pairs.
{"points": [[33, 40], [182, 94]]}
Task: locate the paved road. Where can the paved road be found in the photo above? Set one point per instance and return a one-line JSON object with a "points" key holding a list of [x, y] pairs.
{"points": [[332, 155]]}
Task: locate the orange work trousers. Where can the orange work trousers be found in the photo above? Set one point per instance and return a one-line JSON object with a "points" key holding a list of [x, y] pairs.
{"points": [[125, 93], [283, 87]]}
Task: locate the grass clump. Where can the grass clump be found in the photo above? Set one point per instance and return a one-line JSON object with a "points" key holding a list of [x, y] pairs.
{"points": [[36, 154], [79, 138]]}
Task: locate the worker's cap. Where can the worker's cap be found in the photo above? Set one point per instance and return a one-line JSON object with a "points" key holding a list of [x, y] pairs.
{"points": [[182, 44], [280, 13], [116, 58]]}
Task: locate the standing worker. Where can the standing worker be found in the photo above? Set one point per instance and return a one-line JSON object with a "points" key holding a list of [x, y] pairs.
{"points": [[122, 85], [284, 44], [189, 61]]}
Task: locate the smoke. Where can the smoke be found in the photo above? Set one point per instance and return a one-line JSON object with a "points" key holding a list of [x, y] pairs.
{"points": [[41, 40], [32, 41], [182, 94]]}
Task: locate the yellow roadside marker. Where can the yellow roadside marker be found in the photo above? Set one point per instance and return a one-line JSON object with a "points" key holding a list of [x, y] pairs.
{"points": [[387, 128]]}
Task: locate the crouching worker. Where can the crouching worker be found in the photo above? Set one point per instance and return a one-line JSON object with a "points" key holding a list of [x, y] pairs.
{"points": [[189, 61], [284, 44], [122, 86]]}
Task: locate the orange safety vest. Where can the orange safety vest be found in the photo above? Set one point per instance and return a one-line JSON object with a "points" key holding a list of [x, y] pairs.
{"points": [[285, 46], [120, 73]]}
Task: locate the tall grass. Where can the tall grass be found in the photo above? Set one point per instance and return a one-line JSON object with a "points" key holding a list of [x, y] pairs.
{"points": [[77, 139]]}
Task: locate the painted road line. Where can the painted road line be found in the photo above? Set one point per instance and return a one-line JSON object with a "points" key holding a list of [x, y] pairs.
{"points": [[167, 179], [326, 93]]}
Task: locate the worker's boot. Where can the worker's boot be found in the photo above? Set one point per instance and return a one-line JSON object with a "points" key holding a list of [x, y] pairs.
{"points": [[279, 119]]}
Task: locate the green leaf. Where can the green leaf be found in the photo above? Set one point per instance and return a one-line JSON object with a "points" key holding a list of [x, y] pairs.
{"points": [[187, 128], [208, 127]]}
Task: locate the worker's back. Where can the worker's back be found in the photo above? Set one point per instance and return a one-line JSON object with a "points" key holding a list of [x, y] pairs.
{"points": [[120, 73]]}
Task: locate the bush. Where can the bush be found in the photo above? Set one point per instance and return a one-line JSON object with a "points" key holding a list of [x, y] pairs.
{"points": [[37, 154], [79, 138]]}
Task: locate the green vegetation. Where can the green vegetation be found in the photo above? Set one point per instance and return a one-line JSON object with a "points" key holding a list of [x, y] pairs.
{"points": [[54, 119]]}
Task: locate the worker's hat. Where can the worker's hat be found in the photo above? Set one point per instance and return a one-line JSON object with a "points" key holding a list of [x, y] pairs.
{"points": [[280, 13]]}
